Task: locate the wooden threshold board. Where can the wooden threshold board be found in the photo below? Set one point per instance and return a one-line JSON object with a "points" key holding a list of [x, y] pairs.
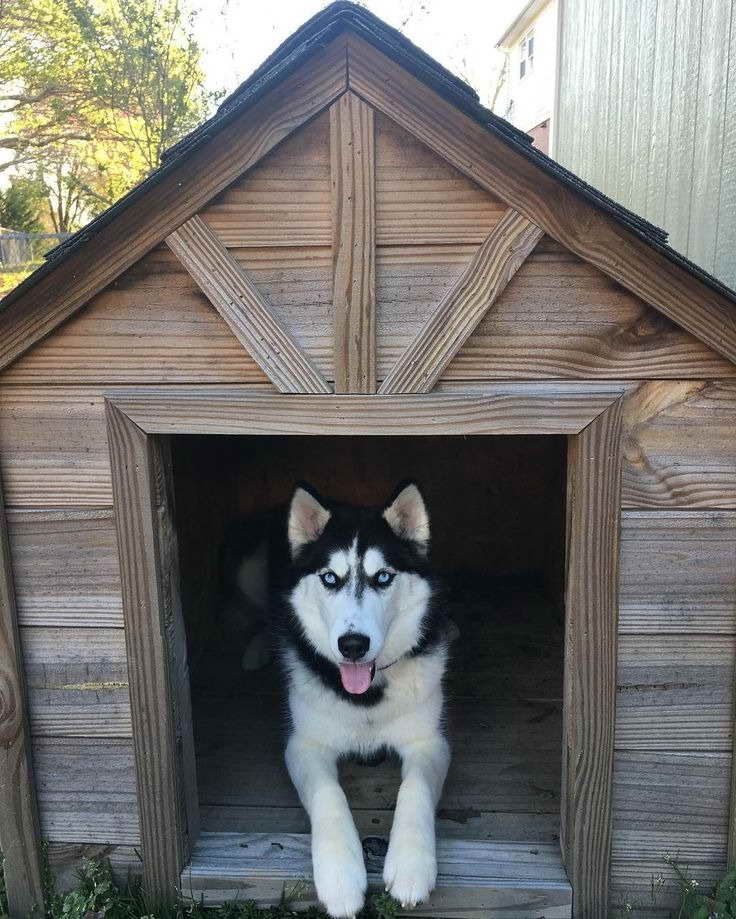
{"points": [[476, 878]]}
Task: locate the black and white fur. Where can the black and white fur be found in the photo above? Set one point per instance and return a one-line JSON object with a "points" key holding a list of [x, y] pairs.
{"points": [[364, 649]]}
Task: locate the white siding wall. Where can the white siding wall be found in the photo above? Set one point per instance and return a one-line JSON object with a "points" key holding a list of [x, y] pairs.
{"points": [[647, 113], [533, 94]]}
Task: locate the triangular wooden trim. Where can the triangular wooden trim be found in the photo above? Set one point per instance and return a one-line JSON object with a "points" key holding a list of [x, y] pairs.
{"points": [[236, 298], [352, 167], [178, 195], [450, 325], [537, 194]]}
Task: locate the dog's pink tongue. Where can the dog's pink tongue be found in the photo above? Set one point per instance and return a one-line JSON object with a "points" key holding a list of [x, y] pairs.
{"points": [[356, 678]]}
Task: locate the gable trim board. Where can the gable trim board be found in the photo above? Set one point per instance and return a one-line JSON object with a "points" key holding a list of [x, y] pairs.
{"points": [[302, 78], [353, 178], [247, 312], [469, 299]]}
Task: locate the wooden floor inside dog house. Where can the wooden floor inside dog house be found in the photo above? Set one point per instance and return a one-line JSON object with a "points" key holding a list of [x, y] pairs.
{"points": [[497, 512]]}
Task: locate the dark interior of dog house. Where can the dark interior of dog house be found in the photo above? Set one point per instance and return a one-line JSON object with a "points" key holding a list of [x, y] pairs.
{"points": [[497, 509]]}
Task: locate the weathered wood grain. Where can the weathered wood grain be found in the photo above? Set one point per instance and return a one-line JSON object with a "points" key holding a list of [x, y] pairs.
{"points": [[169, 585], [284, 200], [421, 199], [77, 681], [298, 286], [151, 218], [474, 878], [459, 312], [246, 311], [560, 317], [674, 803], [467, 824], [19, 827], [503, 408], [87, 790], [593, 501], [677, 572], [536, 194], [352, 160], [53, 446], [410, 282], [675, 692], [680, 446], [151, 325], [66, 567], [149, 572]]}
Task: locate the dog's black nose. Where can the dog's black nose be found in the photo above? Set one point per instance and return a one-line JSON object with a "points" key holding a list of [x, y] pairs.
{"points": [[353, 645]]}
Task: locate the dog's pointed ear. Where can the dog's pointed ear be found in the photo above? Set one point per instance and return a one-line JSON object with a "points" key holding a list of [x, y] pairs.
{"points": [[307, 518], [406, 514]]}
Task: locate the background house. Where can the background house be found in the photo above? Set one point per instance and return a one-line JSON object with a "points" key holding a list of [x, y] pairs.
{"points": [[646, 111], [525, 94]]}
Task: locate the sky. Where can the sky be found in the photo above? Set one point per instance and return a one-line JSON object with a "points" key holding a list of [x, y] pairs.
{"points": [[237, 35]]}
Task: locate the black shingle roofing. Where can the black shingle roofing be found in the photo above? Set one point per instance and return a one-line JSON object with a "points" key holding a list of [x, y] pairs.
{"points": [[315, 34]]}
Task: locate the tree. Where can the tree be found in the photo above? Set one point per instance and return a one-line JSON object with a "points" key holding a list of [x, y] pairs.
{"points": [[20, 205], [95, 91]]}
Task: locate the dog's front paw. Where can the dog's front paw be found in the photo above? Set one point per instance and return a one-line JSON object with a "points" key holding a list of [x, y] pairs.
{"points": [[340, 877], [410, 870]]}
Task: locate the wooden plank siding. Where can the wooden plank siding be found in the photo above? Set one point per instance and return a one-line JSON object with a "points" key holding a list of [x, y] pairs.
{"points": [[87, 790], [66, 567], [53, 445], [675, 695], [560, 317], [680, 449], [284, 200], [77, 681], [152, 325]]}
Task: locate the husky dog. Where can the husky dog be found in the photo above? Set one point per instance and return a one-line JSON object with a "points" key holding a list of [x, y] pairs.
{"points": [[364, 649]]}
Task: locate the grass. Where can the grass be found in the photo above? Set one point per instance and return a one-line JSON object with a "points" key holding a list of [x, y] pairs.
{"points": [[98, 896], [12, 278]]}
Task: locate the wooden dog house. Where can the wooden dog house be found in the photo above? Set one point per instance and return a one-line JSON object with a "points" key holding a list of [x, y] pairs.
{"points": [[353, 249]]}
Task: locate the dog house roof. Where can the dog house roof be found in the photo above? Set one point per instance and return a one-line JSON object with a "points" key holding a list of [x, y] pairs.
{"points": [[306, 41]]}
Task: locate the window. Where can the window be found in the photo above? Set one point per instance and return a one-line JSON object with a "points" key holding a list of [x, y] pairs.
{"points": [[526, 54]]}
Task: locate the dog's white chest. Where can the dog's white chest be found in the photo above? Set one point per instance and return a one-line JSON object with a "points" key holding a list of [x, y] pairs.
{"points": [[411, 707]]}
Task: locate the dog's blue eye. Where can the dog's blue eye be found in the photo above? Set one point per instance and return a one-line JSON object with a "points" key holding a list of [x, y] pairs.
{"points": [[329, 578], [383, 578]]}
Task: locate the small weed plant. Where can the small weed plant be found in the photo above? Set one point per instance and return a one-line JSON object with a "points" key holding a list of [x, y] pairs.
{"points": [[694, 901], [97, 896]]}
